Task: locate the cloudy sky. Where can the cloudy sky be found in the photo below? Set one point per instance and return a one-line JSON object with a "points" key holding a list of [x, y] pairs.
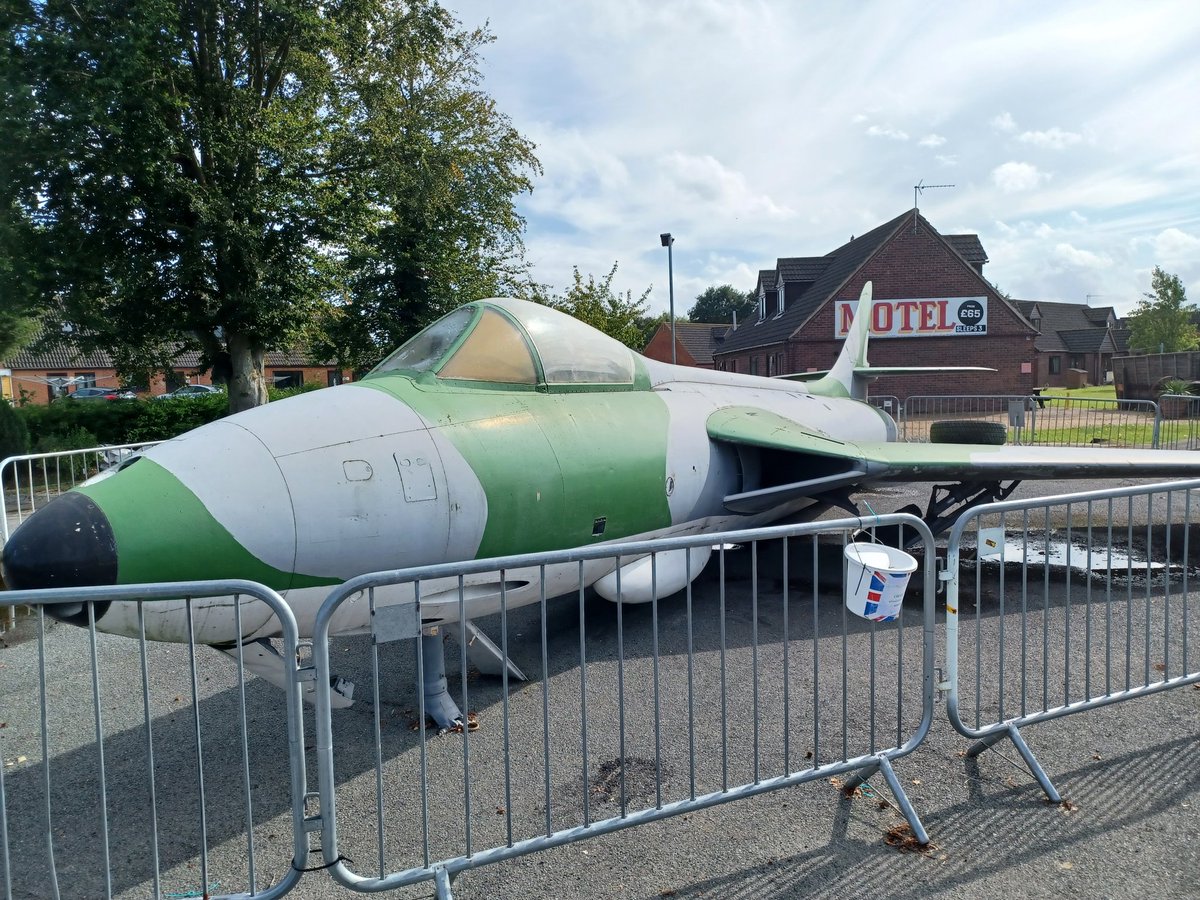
{"points": [[754, 130]]}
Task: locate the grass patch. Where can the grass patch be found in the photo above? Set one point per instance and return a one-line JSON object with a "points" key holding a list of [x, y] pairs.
{"points": [[1095, 392]]}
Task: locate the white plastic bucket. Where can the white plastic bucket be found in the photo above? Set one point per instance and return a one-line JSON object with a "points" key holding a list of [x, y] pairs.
{"points": [[876, 577]]}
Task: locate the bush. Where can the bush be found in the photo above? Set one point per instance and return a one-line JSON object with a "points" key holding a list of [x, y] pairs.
{"points": [[107, 421], [160, 420], [274, 393], [118, 422], [14, 436]]}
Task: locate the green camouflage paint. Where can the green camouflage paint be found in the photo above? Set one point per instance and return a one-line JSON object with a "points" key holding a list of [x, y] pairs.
{"points": [[173, 537], [555, 471]]}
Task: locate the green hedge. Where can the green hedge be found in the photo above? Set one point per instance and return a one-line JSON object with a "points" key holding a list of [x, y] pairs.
{"points": [[61, 425], [65, 424]]}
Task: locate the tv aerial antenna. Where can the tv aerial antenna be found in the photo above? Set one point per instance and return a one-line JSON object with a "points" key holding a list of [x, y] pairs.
{"points": [[921, 187]]}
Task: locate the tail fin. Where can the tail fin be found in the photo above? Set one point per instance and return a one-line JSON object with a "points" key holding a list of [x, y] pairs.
{"points": [[851, 374], [844, 379]]}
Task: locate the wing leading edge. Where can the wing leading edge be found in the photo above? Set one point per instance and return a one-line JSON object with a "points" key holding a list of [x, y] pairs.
{"points": [[825, 463]]}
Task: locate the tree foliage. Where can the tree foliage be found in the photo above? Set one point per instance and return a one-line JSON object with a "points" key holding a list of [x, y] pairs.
{"points": [[1162, 321], [596, 303], [237, 177], [718, 304]]}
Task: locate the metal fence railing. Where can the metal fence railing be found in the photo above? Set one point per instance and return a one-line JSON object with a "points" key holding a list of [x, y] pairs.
{"points": [[1091, 607], [1061, 421], [919, 412], [1178, 422], [135, 768], [743, 684], [35, 478], [39, 477]]}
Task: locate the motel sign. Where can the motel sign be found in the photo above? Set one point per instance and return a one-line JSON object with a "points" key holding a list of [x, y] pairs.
{"points": [[931, 317]]}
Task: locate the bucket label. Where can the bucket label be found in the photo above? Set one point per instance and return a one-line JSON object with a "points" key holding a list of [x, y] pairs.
{"points": [[879, 595]]}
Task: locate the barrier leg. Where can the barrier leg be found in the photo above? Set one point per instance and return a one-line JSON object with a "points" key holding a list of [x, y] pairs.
{"points": [[441, 881], [1035, 768], [881, 764], [914, 822]]}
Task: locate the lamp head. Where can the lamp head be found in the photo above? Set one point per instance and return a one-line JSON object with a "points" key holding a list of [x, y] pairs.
{"points": [[666, 239]]}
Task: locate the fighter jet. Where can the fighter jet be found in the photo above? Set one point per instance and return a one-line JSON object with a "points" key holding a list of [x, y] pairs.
{"points": [[505, 427]]}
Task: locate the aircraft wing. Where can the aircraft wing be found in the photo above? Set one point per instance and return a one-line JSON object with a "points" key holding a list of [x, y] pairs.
{"points": [[825, 463]]}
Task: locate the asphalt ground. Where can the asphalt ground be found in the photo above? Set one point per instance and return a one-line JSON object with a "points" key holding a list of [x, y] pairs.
{"points": [[1128, 772]]}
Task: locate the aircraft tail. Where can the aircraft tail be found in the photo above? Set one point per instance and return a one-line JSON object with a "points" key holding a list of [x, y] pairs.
{"points": [[851, 373], [844, 379]]}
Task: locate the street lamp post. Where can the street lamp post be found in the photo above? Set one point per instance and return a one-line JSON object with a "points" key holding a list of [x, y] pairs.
{"points": [[668, 241]]}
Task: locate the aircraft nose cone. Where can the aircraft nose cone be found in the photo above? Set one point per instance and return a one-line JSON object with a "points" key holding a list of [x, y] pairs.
{"points": [[67, 543]]}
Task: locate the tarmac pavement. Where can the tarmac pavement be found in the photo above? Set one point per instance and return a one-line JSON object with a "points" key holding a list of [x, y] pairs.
{"points": [[1129, 773]]}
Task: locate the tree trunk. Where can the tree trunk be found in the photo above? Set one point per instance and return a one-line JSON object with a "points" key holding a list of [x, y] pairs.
{"points": [[247, 386]]}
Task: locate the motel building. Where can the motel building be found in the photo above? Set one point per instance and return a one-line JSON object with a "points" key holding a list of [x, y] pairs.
{"points": [[933, 307]]}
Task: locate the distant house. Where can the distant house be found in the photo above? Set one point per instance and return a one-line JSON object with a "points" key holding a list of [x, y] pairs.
{"points": [[695, 343], [933, 307], [41, 377], [1073, 337]]}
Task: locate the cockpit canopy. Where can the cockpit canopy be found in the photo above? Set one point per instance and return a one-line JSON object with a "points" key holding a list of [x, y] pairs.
{"points": [[514, 342]]}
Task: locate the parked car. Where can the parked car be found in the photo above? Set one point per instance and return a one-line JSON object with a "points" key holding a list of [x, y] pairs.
{"points": [[97, 393], [190, 390]]}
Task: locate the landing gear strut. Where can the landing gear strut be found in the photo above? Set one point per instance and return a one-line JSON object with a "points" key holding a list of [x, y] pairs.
{"points": [[949, 501]]}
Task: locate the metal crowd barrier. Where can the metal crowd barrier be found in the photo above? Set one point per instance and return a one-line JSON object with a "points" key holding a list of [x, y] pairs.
{"points": [[921, 411], [1097, 627], [743, 684], [1083, 421], [1178, 423], [100, 797], [49, 474], [35, 477], [1061, 421]]}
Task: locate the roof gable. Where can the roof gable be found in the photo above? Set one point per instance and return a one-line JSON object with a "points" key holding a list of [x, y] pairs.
{"points": [[835, 268]]}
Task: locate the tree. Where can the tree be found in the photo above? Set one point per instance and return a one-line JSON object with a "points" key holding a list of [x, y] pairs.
{"points": [[1162, 321], [718, 304], [237, 177], [594, 302]]}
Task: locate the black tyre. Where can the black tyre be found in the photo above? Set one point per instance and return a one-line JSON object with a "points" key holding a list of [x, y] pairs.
{"points": [[967, 432]]}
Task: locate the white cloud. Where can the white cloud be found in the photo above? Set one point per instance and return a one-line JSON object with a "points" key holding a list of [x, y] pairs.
{"points": [[763, 156], [1014, 177], [1004, 122], [1172, 246], [1083, 259], [706, 180], [1053, 139]]}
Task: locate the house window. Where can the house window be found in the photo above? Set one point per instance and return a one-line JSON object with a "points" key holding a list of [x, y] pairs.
{"points": [[85, 379], [333, 376], [782, 304], [733, 365], [771, 365], [762, 305], [1076, 361], [1055, 365], [754, 365], [283, 380]]}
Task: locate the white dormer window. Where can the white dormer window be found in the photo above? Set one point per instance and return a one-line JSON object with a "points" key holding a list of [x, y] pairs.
{"points": [[781, 295], [762, 305]]}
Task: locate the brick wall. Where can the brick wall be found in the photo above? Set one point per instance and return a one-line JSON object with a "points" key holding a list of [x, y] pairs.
{"points": [[916, 264], [659, 348]]}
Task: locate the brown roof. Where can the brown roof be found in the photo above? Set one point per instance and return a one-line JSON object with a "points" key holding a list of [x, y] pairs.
{"points": [[700, 339], [65, 356]]}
